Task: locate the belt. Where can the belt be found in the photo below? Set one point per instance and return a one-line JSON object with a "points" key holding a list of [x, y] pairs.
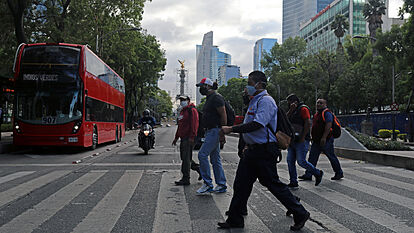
{"points": [[259, 146]]}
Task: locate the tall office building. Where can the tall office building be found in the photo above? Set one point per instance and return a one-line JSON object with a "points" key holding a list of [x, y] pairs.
{"points": [[260, 47], [296, 12], [209, 58], [227, 72]]}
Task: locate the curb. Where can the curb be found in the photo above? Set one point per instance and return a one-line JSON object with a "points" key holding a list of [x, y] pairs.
{"points": [[376, 158]]}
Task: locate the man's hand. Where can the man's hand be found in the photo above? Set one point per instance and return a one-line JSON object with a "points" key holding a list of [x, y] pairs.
{"points": [[323, 141], [293, 107], [226, 129], [174, 142]]}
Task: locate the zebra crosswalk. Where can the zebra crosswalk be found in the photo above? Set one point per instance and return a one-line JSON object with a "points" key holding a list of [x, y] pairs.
{"points": [[369, 199]]}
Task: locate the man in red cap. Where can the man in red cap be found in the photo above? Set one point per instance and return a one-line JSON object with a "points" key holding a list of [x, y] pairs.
{"points": [[187, 131]]}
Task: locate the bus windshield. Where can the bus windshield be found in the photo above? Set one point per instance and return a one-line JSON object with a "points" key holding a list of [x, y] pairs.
{"points": [[49, 88]]}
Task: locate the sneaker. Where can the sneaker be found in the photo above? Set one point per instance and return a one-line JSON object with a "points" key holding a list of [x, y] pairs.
{"points": [[293, 185], [337, 177], [220, 189], [205, 189], [305, 177]]}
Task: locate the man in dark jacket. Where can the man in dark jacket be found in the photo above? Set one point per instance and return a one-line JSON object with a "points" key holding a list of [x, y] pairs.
{"points": [[299, 116], [323, 141], [187, 131]]}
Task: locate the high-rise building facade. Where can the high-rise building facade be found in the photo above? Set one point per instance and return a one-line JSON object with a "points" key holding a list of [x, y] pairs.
{"points": [[260, 47], [208, 59], [317, 31], [227, 72], [296, 12]]}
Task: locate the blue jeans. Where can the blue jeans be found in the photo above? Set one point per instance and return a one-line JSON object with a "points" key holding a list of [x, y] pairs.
{"points": [[211, 147], [328, 149], [297, 152]]}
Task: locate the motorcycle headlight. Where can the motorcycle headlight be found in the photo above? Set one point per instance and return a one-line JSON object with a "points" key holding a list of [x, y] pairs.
{"points": [[146, 132]]}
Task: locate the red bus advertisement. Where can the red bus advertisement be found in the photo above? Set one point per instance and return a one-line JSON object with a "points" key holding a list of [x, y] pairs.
{"points": [[65, 95]]}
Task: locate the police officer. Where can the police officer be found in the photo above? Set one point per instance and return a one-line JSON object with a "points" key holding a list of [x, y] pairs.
{"points": [[260, 157]]}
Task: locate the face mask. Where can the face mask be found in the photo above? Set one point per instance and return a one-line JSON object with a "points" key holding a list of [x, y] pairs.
{"points": [[203, 90], [250, 90], [183, 103]]}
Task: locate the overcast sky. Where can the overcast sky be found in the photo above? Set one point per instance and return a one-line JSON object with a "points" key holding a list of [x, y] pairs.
{"points": [[180, 25]]}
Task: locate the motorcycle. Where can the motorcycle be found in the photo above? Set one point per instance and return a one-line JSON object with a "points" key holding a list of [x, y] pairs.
{"points": [[146, 138]]}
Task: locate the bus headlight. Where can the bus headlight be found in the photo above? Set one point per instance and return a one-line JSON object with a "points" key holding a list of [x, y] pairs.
{"points": [[76, 126], [17, 127]]}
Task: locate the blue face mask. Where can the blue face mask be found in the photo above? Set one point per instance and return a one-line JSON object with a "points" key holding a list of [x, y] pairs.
{"points": [[250, 90]]}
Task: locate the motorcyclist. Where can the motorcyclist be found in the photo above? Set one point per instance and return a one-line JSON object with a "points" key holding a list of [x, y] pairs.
{"points": [[147, 119]]}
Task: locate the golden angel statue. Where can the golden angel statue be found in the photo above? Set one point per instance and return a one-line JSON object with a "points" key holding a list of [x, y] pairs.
{"points": [[182, 63]]}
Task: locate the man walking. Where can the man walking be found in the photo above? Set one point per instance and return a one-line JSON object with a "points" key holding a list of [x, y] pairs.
{"points": [[260, 158], [187, 131], [323, 141], [299, 116], [214, 117]]}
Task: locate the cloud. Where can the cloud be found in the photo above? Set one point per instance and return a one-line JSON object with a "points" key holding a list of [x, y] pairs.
{"points": [[237, 25]]}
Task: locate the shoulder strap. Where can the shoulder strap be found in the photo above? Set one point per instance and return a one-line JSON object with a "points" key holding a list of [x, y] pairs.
{"points": [[323, 114], [268, 125]]}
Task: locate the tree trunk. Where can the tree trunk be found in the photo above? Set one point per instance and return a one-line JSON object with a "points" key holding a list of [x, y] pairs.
{"points": [[18, 12]]}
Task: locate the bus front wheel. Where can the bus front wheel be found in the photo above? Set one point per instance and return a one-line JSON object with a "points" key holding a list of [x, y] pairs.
{"points": [[94, 139]]}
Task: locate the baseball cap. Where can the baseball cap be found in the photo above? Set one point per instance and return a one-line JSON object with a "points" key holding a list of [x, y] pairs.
{"points": [[205, 81], [183, 97]]}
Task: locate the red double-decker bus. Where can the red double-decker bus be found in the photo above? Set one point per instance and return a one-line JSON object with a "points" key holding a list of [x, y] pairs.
{"points": [[66, 96]]}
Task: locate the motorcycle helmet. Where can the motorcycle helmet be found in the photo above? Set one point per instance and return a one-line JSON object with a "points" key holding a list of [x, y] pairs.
{"points": [[146, 113]]}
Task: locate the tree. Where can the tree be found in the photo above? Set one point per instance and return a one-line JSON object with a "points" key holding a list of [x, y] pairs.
{"points": [[339, 26], [373, 11], [232, 92]]}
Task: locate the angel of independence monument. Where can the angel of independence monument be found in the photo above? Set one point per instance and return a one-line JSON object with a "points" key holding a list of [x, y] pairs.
{"points": [[183, 80]]}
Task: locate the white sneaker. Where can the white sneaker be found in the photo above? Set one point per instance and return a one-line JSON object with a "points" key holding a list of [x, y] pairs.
{"points": [[205, 189], [220, 189]]}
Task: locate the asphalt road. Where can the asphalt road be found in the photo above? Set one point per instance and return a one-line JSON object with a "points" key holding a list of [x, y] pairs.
{"points": [[116, 188]]}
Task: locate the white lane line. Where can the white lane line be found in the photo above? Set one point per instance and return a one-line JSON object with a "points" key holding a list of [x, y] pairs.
{"points": [[106, 213], [369, 176], [172, 213], [33, 218], [13, 176], [252, 221], [376, 215], [394, 171], [27, 187], [376, 192]]}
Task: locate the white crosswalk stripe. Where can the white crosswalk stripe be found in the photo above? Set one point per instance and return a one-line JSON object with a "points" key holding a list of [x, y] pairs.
{"points": [[24, 189], [13, 176], [394, 171], [172, 213], [32, 218], [103, 217], [376, 215]]}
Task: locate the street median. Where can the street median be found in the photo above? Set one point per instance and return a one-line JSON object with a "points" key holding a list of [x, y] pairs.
{"points": [[388, 159]]}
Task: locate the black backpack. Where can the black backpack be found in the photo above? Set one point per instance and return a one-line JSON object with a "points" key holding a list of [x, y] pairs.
{"points": [[336, 125], [231, 116], [283, 125]]}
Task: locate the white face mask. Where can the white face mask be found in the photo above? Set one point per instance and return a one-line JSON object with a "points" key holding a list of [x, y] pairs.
{"points": [[184, 103]]}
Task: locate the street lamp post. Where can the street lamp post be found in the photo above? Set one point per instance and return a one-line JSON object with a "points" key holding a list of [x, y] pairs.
{"points": [[99, 50]]}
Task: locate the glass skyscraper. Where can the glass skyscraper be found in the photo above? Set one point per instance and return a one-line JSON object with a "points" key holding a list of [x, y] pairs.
{"points": [[261, 46], [209, 59], [227, 72], [317, 31], [296, 12]]}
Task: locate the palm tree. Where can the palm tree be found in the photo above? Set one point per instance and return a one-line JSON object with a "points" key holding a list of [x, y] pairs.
{"points": [[373, 11], [339, 26]]}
